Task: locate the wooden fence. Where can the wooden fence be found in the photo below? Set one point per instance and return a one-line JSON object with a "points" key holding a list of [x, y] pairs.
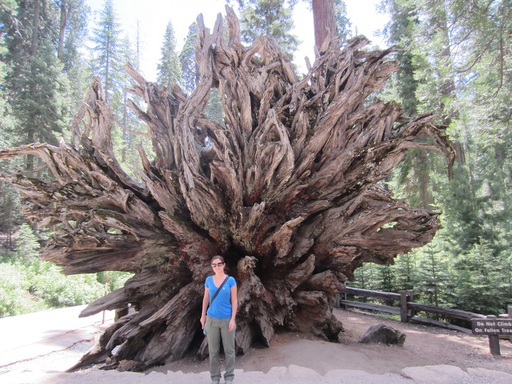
{"points": [[494, 327], [406, 308]]}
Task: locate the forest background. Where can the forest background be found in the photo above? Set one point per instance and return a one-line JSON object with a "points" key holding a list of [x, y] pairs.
{"points": [[455, 59]]}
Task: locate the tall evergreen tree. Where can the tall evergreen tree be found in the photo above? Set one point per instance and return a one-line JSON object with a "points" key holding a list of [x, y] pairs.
{"points": [[111, 51], [35, 84], [343, 24], [341, 19], [404, 272], [433, 275], [107, 57], [482, 281], [413, 178], [72, 37], [132, 130], [190, 72], [7, 20], [169, 67], [269, 18]]}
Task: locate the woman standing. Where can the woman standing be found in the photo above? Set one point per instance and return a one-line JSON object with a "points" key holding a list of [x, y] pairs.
{"points": [[220, 303]]}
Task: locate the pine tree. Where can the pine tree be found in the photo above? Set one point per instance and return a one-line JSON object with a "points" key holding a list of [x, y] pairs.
{"points": [[412, 179], [169, 67], [72, 37], [111, 52], [107, 57], [482, 281], [433, 275], [269, 18], [7, 19], [27, 244], [35, 85], [190, 72], [343, 25], [404, 272]]}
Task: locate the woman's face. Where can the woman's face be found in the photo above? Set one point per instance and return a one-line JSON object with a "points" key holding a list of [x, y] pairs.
{"points": [[217, 265]]}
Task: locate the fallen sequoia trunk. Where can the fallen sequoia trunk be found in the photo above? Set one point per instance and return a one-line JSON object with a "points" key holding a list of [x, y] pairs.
{"points": [[287, 190]]}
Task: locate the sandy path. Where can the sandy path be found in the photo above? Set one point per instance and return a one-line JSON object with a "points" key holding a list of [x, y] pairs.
{"points": [[38, 348]]}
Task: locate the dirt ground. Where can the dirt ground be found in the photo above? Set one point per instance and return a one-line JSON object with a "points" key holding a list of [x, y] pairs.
{"points": [[429, 355]]}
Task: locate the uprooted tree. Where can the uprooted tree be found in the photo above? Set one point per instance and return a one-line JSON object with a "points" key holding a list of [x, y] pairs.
{"points": [[287, 190]]}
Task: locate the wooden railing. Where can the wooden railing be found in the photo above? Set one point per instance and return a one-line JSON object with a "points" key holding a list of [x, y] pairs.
{"points": [[406, 308]]}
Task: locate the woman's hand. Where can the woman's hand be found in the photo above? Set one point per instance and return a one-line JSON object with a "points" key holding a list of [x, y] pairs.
{"points": [[232, 325], [203, 320]]}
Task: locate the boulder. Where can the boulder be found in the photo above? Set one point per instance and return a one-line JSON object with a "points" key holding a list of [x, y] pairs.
{"points": [[381, 333]]}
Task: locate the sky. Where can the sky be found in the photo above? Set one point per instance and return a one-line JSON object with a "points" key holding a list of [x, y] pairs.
{"points": [[152, 17]]}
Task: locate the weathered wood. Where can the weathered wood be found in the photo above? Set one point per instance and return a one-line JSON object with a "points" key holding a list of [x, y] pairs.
{"points": [[323, 20], [437, 323], [494, 345], [370, 293], [448, 312], [286, 189], [405, 298], [371, 307]]}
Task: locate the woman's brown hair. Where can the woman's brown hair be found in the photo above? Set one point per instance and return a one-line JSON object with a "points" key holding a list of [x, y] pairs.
{"points": [[217, 257]]}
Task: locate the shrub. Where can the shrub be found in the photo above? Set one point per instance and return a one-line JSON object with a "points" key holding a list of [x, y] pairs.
{"points": [[58, 290], [27, 244], [15, 298]]}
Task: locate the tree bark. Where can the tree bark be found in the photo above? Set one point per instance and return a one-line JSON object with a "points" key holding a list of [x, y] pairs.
{"points": [[324, 21], [287, 190]]}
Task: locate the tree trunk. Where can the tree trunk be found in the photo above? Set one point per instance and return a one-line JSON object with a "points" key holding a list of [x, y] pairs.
{"points": [[287, 190], [64, 13], [324, 21]]}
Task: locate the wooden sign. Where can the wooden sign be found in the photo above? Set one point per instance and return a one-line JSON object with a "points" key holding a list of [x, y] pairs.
{"points": [[492, 326]]}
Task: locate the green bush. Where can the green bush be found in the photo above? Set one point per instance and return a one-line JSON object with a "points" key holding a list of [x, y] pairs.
{"points": [[28, 284], [15, 298], [113, 279], [27, 244], [58, 290]]}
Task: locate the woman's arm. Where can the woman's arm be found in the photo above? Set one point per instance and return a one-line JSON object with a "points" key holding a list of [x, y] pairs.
{"points": [[234, 307], [206, 299]]}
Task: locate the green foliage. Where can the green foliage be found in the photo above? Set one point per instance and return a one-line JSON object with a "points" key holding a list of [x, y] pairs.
{"points": [[27, 245], [10, 212], [190, 71], [37, 87], [482, 281], [169, 68], [113, 280], [269, 18], [433, 275], [343, 24], [37, 286], [57, 290], [28, 284], [214, 110], [107, 61], [454, 60], [69, 51], [15, 298]]}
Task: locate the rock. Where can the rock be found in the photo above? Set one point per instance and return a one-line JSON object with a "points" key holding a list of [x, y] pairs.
{"points": [[381, 333], [437, 374]]}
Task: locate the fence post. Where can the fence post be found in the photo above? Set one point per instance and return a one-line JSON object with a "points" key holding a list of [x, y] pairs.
{"points": [[404, 299], [494, 341], [509, 313], [494, 345]]}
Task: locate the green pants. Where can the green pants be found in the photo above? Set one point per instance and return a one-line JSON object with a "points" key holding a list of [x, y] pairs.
{"points": [[217, 331]]}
